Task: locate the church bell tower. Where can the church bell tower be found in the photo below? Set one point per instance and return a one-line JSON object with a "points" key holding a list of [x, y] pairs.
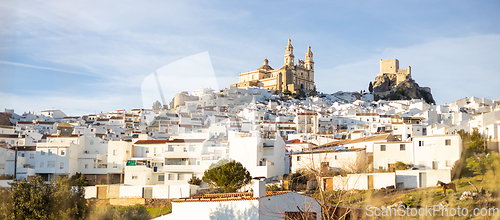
{"points": [[289, 57]]}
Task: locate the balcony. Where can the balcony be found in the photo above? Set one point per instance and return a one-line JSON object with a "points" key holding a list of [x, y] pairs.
{"points": [[90, 156], [183, 168], [182, 154]]}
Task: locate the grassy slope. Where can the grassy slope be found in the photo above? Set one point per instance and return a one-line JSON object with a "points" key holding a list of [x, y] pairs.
{"points": [[433, 195]]}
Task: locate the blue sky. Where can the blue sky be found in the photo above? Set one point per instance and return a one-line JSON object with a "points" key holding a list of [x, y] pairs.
{"points": [[90, 56]]}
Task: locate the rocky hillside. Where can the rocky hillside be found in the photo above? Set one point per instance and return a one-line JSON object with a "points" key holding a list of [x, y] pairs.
{"points": [[385, 88]]}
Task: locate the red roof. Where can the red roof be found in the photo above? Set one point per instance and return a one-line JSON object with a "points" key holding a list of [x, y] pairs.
{"points": [[169, 141], [151, 142], [25, 122], [227, 196]]}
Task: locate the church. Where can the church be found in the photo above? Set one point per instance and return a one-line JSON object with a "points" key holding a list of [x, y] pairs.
{"points": [[291, 77]]}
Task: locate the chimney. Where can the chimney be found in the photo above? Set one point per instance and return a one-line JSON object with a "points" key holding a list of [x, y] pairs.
{"points": [[259, 188]]}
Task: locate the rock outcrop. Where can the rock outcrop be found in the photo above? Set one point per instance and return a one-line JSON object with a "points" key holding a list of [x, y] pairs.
{"points": [[386, 88]]}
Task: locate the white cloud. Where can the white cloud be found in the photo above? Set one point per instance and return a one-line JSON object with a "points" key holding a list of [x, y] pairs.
{"points": [[45, 68]]}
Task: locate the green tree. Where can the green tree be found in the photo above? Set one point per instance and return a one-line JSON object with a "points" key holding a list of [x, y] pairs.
{"points": [[476, 164], [195, 181], [68, 198], [230, 176], [35, 199], [370, 87]]}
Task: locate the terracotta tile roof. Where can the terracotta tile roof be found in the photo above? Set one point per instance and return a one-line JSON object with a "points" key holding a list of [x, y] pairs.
{"points": [[9, 135], [367, 114], [169, 141], [227, 197], [186, 141], [24, 122], [25, 148], [306, 113], [46, 122], [151, 141], [388, 137]]}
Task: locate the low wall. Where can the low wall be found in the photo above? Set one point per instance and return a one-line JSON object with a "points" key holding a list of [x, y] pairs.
{"points": [[361, 182], [127, 201], [5, 183], [131, 191], [90, 192], [159, 191], [411, 178]]}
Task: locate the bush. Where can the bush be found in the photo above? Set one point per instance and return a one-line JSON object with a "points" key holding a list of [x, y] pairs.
{"points": [[35, 199], [230, 176], [401, 166], [137, 212], [274, 187], [195, 181]]}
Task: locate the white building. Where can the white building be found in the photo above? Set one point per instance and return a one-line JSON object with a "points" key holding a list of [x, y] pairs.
{"points": [[436, 152], [257, 205], [262, 157], [354, 159]]}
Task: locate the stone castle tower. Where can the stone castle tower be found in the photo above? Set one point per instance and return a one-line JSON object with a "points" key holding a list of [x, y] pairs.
{"points": [[291, 77], [391, 68]]}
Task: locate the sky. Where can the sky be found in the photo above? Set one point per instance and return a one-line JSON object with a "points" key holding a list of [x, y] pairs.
{"points": [[87, 57]]}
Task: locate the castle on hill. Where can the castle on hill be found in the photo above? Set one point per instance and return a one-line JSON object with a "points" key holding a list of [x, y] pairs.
{"points": [[391, 69], [291, 77]]}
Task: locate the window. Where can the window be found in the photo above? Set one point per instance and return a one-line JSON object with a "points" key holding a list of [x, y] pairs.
{"points": [[434, 165], [170, 148], [171, 176], [161, 178], [422, 164], [61, 165], [32, 156], [147, 150], [91, 142], [298, 158], [51, 164], [335, 157], [114, 152], [86, 166], [420, 143], [62, 152], [185, 150], [382, 147], [115, 165], [402, 147], [134, 177], [447, 142], [50, 152], [41, 164], [395, 129], [180, 176]]}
